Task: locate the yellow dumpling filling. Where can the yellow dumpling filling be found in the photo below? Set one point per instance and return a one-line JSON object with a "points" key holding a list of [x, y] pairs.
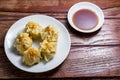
{"points": [[31, 56], [50, 34], [34, 30], [48, 50], [22, 42]]}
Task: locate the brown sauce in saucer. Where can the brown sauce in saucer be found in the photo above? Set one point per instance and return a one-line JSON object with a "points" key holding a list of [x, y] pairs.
{"points": [[85, 19]]}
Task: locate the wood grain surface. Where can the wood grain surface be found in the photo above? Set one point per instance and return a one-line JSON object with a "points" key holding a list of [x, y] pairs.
{"points": [[91, 55]]}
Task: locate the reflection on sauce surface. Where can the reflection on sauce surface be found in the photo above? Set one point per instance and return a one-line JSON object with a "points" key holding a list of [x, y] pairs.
{"points": [[85, 19]]}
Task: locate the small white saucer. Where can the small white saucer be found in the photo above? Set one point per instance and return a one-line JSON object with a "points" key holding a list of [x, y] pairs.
{"points": [[90, 6]]}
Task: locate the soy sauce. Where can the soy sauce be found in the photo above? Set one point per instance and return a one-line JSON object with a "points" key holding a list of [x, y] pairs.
{"points": [[85, 19]]}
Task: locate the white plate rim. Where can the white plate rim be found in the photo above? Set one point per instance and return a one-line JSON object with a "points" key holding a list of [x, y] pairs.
{"points": [[49, 68]]}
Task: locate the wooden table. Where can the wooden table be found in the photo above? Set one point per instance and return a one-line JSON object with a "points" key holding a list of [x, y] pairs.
{"points": [[91, 55]]}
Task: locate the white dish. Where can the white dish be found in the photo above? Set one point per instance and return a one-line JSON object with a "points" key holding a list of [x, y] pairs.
{"points": [[90, 6], [63, 46]]}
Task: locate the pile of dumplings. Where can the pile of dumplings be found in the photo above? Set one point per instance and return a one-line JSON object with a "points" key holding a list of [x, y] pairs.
{"points": [[48, 38]]}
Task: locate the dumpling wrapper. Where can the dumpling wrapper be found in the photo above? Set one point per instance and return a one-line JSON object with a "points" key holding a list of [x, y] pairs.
{"points": [[50, 34], [34, 30], [31, 56], [22, 42], [48, 50]]}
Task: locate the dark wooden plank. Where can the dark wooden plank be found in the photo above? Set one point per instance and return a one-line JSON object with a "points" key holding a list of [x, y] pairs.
{"points": [[28, 5], [113, 12], [81, 62], [50, 6], [91, 55], [108, 35], [110, 13], [93, 61], [6, 16], [103, 4]]}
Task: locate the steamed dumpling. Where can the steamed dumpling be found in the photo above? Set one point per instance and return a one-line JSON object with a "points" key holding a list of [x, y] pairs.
{"points": [[22, 42], [31, 56], [34, 30], [48, 50], [50, 34]]}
